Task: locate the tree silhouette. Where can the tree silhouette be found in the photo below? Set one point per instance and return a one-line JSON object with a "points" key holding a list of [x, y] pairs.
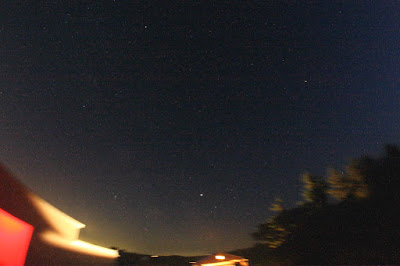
{"points": [[315, 190], [273, 233], [277, 206], [382, 175], [278, 228], [361, 229], [348, 186]]}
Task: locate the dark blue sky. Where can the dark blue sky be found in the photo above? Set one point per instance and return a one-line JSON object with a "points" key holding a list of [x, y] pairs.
{"points": [[170, 128]]}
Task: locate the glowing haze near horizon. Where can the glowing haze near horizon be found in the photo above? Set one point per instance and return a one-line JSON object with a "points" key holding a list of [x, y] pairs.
{"points": [[169, 128]]}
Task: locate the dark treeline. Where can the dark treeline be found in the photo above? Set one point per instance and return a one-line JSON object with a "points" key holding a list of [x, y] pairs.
{"points": [[348, 217], [129, 258]]}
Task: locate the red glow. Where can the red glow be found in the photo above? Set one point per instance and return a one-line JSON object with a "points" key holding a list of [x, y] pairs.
{"points": [[15, 236]]}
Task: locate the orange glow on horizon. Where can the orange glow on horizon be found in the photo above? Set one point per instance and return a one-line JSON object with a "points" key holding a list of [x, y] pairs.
{"points": [[220, 257]]}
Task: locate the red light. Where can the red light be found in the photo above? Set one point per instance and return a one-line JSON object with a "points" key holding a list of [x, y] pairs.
{"points": [[15, 236]]}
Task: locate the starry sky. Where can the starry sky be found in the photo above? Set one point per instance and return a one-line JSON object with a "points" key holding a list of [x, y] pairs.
{"points": [[169, 127]]}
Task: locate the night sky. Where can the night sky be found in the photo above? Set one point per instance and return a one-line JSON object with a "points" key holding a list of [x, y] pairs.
{"points": [[169, 127]]}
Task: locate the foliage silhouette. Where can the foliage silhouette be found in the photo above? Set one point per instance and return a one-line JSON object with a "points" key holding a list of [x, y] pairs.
{"points": [[361, 228], [315, 190], [348, 186]]}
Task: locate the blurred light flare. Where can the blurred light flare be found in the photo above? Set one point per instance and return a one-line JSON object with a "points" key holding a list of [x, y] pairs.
{"points": [[66, 230], [62, 223], [78, 245]]}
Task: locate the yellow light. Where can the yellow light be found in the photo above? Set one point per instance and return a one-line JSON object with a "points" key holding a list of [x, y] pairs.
{"points": [[154, 256], [78, 245], [220, 257], [64, 231], [226, 263], [94, 249], [62, 223]]}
